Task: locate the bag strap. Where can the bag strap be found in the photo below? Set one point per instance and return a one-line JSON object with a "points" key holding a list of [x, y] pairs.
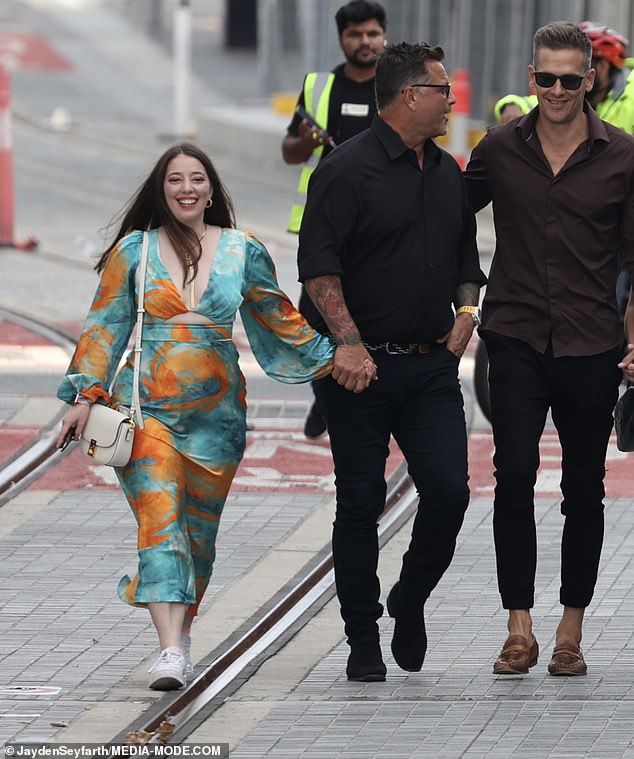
{"points": [[135, 410]]}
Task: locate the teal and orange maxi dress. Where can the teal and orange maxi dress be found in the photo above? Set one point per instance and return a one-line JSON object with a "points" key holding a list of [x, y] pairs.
{"points": [[193, 396]]}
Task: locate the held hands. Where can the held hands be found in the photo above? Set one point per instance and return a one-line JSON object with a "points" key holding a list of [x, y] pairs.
{"points": [[627, 364], [354, 367], [73, 423]]}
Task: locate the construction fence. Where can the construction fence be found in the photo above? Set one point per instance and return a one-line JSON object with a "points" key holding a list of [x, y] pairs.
{"points": [[491, 39]]}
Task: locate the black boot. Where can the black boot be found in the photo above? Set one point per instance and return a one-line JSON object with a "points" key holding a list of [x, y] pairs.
{"points": [[315, 424], [365, 663], [409, 641]]}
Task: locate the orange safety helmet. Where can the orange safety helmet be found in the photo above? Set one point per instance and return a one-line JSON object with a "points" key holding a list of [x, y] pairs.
{"points": [[606, 43]]}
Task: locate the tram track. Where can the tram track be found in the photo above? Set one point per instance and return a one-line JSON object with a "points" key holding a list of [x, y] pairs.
{"points": [[279, 618], [177, 715], [28, 463]]}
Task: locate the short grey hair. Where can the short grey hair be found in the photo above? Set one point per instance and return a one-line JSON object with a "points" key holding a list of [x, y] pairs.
{"points": [[561, 35]]}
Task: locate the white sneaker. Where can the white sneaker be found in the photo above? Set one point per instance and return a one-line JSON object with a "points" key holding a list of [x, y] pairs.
{"points": [[168, 671], [186, 646]]}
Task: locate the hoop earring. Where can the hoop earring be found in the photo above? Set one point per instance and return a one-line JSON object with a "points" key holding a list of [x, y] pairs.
{"points": [[209, 203]]}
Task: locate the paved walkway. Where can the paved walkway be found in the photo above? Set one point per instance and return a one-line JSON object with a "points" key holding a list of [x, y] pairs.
{"points": [[73, 659]]}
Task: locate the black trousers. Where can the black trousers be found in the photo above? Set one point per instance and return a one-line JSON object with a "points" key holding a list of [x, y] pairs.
{"points": [[581, 393], [417, 398]]}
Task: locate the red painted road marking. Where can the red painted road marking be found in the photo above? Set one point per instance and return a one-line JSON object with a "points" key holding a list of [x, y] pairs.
{"points": [[16, 334], [22, 51], [283, 464], [12, 439], [619, 480]]}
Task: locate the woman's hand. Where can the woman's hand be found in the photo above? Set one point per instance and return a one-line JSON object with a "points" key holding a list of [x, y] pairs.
{"points": [[74, 420], [627, 364], [371, 372]]}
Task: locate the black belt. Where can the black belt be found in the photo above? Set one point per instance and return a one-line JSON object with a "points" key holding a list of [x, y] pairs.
{"points": [[398, 348]]}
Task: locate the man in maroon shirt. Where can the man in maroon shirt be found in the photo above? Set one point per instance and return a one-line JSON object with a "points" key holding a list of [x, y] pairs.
{"points": [[562, 186]]}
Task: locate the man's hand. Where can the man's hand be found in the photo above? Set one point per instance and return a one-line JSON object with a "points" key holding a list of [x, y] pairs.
{"points": [[311, 135], [353, 367], [457, 338], [298, 148], [627, 364]]}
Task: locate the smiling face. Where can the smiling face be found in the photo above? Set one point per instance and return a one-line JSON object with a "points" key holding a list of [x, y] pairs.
{"points": [[558, 105], [187, 189]]}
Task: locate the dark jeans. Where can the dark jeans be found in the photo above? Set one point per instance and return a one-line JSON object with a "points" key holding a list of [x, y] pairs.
{"points": [[581, 393], [417, 398]]}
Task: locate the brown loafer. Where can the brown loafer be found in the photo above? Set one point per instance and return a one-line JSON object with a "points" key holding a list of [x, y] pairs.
{"points": [[517, 656], [567, 660]]}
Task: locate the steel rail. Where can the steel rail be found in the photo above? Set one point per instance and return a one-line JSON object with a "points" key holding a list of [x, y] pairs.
{"points": [[267, 631], [31, 461], [177, 716], [267, 628]]}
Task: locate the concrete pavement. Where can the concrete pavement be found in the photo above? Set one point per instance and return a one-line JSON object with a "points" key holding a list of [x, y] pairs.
{"points": [[66, 540]]}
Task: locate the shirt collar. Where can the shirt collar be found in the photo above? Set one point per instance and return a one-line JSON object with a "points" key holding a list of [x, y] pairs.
{"points": [[394, 145], [596, 128]]}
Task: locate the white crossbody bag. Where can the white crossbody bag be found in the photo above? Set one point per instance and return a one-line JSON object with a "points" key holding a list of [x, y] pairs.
{"points": [[108, 434]]}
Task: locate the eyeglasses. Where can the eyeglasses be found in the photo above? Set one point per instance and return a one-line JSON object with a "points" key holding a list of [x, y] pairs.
{"points": [[444, 88], [568, 81]]}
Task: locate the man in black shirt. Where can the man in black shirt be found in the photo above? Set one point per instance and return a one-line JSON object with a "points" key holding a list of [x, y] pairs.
{"points": [[342, 103], [387, 247]]}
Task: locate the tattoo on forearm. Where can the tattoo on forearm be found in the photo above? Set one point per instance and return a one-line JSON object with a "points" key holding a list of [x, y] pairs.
{"points": [[327, 295], [350, 338], [467, 294]]}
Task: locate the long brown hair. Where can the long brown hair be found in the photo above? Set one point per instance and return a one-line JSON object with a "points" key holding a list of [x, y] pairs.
{"points": [[147, 209]]}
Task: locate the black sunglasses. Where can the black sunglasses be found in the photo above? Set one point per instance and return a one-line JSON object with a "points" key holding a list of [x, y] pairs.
{"points": [[444, 88], [568, 81]]}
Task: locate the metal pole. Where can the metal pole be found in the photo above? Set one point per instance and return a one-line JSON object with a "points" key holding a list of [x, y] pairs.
{"points": [[423, 26], [182, 68], [488, 63], [516, 36], [155, 20], [269, 45], [462, 52]]}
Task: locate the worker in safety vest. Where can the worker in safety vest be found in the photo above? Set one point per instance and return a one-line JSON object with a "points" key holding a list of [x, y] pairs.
{"points": [[511, 106], [612, 97], [339, 104]]}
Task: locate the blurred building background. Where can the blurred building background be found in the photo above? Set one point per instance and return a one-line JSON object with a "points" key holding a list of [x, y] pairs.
{"points": [[489, 38]]}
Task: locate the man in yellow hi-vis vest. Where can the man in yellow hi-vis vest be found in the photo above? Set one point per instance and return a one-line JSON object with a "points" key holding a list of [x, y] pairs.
{"points": [[341, 104]]}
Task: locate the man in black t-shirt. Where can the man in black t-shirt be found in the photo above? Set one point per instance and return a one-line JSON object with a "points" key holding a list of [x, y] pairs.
{"points": [[351, 108], [341, 103]]}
